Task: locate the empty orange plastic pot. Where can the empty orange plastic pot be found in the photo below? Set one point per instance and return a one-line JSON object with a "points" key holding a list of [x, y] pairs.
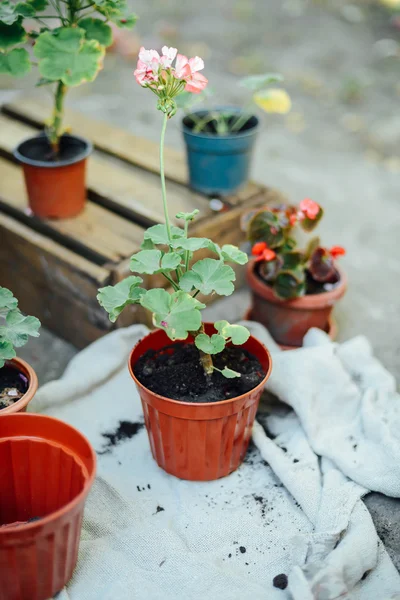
{"points": [[56, 188], [289, 320], [21, 404], [203, 441], [46, 470]]}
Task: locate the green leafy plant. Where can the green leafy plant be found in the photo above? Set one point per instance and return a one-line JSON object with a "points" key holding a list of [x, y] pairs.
{"points": [[168, 249], [15, 328], [68, 54], [228, 121], [289, 271]]}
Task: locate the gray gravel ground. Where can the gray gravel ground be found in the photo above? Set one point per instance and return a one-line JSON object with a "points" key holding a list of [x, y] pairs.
{"points": [[339, 145]]}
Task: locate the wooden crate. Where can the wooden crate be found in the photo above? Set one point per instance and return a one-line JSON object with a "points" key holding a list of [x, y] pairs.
{"points": [[55, 267]]}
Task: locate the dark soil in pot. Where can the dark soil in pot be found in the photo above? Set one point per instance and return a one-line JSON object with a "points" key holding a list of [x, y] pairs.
{"points": [[13, 385], [175, 372], [38, 150]]}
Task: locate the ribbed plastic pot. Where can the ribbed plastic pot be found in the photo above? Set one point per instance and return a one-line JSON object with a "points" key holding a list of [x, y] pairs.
{"points": [[46, 471], [199, 442], [56, 189], [289, 320], [21, 404], [219, 164]]}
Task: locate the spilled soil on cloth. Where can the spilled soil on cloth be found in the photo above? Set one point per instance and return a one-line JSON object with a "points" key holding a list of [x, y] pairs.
{"points": [[13, 385], [176, 372]]}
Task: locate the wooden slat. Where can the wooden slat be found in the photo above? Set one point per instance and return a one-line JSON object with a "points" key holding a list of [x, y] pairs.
{"points": [[110, 139], [52, 283], [125, 189], [96, 233], [122, 144]]}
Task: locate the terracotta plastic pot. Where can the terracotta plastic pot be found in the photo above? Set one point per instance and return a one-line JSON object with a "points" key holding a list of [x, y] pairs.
{"points": [[46, 470], [56, 189], [204, 441], [21, 404], [289, 320]]}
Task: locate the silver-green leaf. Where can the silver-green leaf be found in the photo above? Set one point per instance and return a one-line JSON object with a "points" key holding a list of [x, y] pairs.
{"points": [[18, 328], [233, 254], [208, 276], [114, 298], [237, 334], [177, 313], [210, 345]]}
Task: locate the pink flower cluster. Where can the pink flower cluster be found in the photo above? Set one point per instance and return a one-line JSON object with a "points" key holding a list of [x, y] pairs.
{"points": [[154, 70]]}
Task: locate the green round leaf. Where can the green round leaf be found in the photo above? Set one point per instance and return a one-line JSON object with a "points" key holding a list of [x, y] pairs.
{"points": [[176, 313], [233, 254], [114, 298], [229, 373], [18, 328], [9, 12], [157, 234], [7, 301], [65, 56], [237, 334], [209, 275], [170, 261], [290, 285], [210, 345], [10, 35], [97, 30], [146, 261], [6, 352], [38, 5], [15, 63]]}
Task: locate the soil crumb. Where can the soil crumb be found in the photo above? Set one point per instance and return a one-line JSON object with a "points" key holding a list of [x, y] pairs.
{"points": [[175, 372], [280, 581], [125, 431]]}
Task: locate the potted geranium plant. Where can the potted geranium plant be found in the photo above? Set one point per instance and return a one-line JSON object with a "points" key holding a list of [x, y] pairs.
{"points": [[69, 45], [219, 141], [292, 289], [18, 381], [199, 383]]}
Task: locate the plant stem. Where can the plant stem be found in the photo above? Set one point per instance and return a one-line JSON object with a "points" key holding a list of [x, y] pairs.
{"points": [[243, 118], [205, 359], [162, 173], [56, 125], [172, 282]]}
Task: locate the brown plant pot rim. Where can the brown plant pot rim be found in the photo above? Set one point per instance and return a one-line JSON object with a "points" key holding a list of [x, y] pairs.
{"points": [[23, 402], [89, 477], [200, 404], [308, 302], [330, 330]]}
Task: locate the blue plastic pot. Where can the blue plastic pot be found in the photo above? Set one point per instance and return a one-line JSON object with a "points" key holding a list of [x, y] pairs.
{"points": [[219, 164]]}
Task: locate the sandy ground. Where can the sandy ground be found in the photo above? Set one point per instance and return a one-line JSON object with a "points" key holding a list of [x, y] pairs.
{"points": [[339, 144]]}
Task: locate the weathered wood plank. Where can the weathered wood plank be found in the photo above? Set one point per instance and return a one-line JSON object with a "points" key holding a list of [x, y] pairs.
{"points": [[52, 283], [125, 189], [96, 233], [106, 137]]}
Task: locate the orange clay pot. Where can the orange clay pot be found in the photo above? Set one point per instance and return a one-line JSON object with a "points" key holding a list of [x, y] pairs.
{"points": [[56, 188], [289, 320], [21, 404], [200, 442], [46, 471]]}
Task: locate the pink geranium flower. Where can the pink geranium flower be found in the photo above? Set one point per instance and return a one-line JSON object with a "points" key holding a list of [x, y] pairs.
{"points": [[309, 208], [147, 66], [168, 56], [188, 69]]}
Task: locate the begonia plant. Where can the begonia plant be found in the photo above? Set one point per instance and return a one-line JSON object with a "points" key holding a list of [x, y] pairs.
{"points": [[69, 44], [289, 271], [168, 249], [15, 328]]}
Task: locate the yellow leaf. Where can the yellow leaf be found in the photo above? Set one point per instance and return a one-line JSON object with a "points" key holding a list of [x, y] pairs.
{"points": [[273, 100], [391, 3]]}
